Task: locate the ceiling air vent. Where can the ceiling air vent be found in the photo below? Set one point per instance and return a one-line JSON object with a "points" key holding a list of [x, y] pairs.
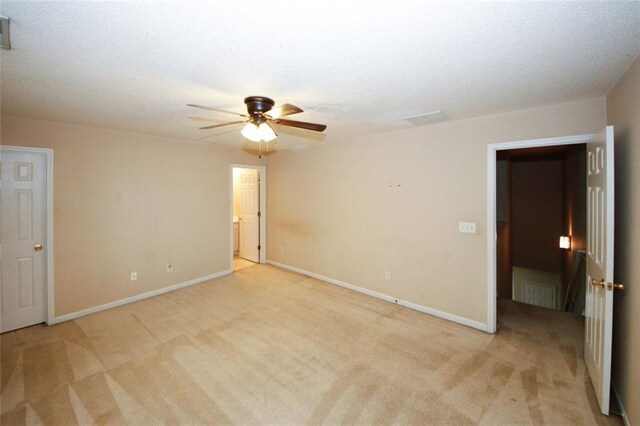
{"points": [[428, 118], [5, 41]]}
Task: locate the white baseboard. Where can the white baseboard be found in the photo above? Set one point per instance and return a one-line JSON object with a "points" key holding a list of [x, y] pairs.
{"points": [[137, 297], [385, 297], [623, 412]]}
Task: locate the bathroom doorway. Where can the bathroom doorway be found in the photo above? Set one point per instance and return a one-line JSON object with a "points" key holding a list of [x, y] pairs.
{"points": [[248, 215]]}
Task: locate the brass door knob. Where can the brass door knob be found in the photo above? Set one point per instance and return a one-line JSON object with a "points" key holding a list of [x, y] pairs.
{"points": [[37, 247], [609, 286]]}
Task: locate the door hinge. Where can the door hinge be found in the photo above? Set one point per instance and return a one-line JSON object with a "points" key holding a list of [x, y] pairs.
{"points": [[259, 214], [259, 247]]}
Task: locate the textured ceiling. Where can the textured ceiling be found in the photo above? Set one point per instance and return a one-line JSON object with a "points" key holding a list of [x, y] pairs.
{"points": [[359, 67]]}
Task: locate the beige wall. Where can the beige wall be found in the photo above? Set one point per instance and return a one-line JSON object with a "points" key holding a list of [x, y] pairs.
{"points": [[129, 202], [331, 210], [623, 112]]}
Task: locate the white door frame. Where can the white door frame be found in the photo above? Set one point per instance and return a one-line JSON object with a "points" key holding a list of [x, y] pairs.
{"points": [[491, 209], [262, 170], [48, 243]]}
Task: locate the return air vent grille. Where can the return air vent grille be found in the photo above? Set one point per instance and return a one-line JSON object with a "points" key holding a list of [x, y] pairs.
{"points": [[428, 118], [5, 41]]}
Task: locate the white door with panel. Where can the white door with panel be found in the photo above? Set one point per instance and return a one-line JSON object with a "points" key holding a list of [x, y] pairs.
{"points": [[599, 282], [249, 214], [23, 202]]}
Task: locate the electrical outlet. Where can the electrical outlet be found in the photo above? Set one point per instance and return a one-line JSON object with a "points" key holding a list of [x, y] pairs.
{"points": [[467, 227], [169, 267], [387, 275], [133, 276]]}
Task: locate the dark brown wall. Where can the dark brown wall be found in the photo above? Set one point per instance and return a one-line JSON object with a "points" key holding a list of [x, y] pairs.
{"points": [[536, 213], [503, 210], [575, 219]]}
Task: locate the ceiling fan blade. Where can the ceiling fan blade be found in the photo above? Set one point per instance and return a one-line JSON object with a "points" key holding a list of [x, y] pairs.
{"points": [[201, 138], [215, 109], [193, 117], [282, 110], [301, 124], [221, 125]]}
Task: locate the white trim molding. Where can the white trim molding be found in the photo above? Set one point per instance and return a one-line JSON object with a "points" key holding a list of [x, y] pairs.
{"points": [[262, 171], [492, 149], [420, 308], [137, 297], [49, 224]]}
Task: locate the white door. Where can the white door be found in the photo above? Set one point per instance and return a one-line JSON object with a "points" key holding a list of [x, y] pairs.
{"points": [[249, 214], [599, 292], [22, 206]]}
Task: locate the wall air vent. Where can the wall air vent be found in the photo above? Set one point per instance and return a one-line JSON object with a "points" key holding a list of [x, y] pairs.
{"points": [[5, 41], [428, 118]]}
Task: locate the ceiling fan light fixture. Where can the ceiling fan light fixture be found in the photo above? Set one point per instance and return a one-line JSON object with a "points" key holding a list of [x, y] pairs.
{"points": [[266, 133], [260, 133], [251, 132]]}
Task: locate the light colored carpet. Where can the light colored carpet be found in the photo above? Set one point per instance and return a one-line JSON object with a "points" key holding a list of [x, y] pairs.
{"points": [[266, 346]]}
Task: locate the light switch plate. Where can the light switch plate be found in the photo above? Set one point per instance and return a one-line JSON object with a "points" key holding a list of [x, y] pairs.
{"points": [[467, 227]]}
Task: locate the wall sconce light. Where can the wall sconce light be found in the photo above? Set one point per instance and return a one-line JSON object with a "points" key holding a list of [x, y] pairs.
{"points": [[565, 242]]}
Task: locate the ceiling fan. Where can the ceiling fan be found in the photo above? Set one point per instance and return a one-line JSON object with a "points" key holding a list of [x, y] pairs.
{"points": [[261, 114]]}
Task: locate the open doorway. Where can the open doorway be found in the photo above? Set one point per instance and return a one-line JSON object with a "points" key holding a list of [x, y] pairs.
{"points": [[541, 226], [492, 216], [571, 336], [248, 215]]}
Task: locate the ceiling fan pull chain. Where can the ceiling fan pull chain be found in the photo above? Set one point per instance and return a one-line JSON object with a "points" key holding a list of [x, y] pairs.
{"points": [[260, 149]]}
